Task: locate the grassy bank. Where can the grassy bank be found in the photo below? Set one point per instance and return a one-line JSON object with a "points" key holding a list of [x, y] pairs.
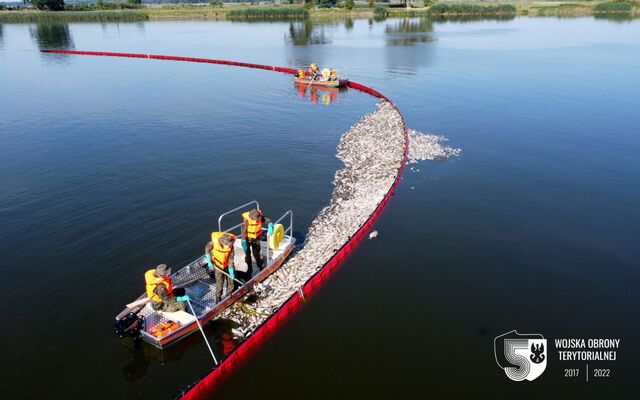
{"points": [[444, 9]]}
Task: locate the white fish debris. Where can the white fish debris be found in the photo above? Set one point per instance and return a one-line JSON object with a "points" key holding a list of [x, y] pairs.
{"points": [[429, 147], [373, 234], [372, 151]]}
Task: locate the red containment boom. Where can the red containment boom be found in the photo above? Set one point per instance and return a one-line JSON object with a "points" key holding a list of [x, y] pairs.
{"points": [[203, 388]]}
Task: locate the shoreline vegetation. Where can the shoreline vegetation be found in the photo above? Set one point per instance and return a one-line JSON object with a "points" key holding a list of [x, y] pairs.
{"points": [[216, 10]]}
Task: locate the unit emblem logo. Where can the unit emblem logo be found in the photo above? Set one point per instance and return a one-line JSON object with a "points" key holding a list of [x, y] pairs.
{"points": [[521, 356]]}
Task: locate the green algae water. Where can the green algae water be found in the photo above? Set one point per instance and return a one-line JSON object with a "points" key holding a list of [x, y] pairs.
{"points": [[111, 166]]}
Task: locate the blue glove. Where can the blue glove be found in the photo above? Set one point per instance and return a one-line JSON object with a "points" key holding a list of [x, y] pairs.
{"points": [[209, 263], [232, 273], [183, 298], [245, 246], [270, 230]]}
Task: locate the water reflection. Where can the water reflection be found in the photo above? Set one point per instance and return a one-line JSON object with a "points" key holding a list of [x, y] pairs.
{"points": [[379, 18], [409, 31], [52, 36], [219, 333], [617, 17], [326, 95], [1, 32], [302, 33], [348, 24]]}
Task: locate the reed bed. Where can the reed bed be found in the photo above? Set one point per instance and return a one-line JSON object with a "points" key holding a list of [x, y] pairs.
{"points": [[267, 13], [471, 9], [72, 16]]}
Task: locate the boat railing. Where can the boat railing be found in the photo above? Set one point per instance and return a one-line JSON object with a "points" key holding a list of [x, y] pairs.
{"points": [[257, 205], [288, 230]]}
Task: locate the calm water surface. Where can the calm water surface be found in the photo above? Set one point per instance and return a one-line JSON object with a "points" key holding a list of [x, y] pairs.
{"points": [[110, 166]]}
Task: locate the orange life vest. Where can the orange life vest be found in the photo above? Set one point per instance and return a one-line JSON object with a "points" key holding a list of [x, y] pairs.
{"points": [[254, 226], [219, 253], [152, 283], [164, 328]]}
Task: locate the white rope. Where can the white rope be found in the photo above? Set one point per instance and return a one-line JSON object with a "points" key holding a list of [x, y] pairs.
{"points": [[215, 360]]}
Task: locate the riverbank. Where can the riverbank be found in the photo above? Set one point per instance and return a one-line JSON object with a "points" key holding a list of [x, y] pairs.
{"points": [[473, 8]]}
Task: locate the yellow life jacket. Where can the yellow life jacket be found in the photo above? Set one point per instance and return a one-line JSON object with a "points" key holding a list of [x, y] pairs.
{"points": [[254, 226], [220, 253], [153, 281], [301, 73]]}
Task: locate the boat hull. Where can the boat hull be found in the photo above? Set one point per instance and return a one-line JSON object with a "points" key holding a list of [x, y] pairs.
{"points": [[338, 83], [188, 328]]}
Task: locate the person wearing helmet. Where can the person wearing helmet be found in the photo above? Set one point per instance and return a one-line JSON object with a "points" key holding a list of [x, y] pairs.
{"points": [[162, 295], [252, 222], [333, 76]]}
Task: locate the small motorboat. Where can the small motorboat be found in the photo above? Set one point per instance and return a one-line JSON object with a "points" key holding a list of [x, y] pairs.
{"points": [[162, 329], [322, 82]]}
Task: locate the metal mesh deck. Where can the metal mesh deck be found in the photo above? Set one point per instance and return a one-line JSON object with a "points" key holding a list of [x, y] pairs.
{"points": [[201, 288]]}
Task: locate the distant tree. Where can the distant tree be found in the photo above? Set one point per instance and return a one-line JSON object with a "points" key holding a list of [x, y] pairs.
{"points": [[371, 3], [349, 4], [51, 5], [327, 3], [134, 1]]}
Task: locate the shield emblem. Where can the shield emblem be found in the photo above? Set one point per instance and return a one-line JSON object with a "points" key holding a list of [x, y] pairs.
{"points": [[521, 356]]}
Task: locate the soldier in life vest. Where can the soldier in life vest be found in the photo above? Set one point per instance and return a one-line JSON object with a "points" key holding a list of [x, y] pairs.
{"points": [[161, 292], [219, 254], [313, 70], [251, 231]]}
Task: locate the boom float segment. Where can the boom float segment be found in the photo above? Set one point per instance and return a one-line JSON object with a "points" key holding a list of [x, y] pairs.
{"points": [[203, 387]]}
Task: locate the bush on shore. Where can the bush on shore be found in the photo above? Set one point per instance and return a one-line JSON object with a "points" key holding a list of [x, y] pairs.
{"points": [[380, 11], [51, 5], [618, 6], [101, 5]]}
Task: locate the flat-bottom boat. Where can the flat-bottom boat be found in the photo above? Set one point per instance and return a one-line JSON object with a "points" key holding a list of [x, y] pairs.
{"points": [[200, 287], [321, 82]]}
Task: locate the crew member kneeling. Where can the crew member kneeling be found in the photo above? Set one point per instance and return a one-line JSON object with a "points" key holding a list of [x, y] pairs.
{"points": [[219, 254], [160, 290]]}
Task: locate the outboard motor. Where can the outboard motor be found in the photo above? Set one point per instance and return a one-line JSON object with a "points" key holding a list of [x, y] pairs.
{"points": [[129, 326]]}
